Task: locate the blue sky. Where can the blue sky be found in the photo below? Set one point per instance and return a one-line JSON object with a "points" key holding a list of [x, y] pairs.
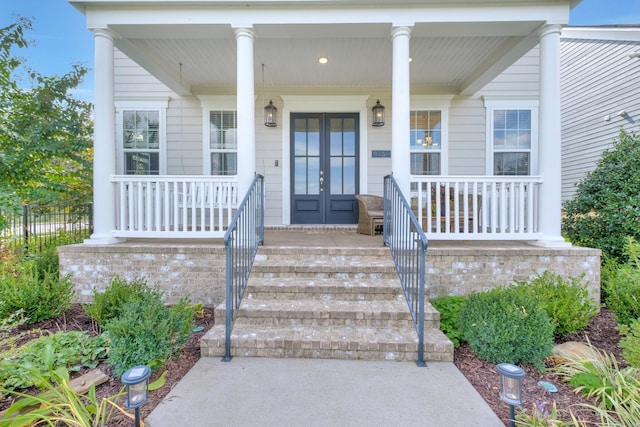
{"points": [[60, 37]]}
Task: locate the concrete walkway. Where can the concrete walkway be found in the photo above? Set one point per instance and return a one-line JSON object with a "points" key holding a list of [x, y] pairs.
{"points": [[320, 392]]}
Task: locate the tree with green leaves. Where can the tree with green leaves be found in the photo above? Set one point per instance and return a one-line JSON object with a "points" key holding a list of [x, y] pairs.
{"points": [[606, 207], [45, 133]]}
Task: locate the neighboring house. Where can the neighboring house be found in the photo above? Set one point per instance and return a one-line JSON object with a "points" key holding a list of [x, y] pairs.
{"points": [[469, 91], [600, 93]]}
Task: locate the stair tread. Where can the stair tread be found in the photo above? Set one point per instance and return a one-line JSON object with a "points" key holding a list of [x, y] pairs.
{"points": [[253, 303]]}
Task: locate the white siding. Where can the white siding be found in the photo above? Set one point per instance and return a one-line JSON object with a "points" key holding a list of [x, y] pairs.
{"points": [[598, 79]]}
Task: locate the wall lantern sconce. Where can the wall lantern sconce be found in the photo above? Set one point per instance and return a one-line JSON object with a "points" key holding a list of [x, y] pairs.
{"points": [[378, 114], [511, 387], [270, 115], [136, 380]]}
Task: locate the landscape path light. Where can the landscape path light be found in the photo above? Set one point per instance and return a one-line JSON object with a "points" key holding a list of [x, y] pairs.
{"points": [[137, 381], [511, 387]]}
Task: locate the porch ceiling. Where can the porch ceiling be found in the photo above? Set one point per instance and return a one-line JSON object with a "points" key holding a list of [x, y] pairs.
{"points": [[445, 57]]}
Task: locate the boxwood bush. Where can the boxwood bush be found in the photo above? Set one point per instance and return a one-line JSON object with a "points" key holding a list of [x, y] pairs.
{"points": [[566, 301], [503, 325], [108, 305], [146, 332]]}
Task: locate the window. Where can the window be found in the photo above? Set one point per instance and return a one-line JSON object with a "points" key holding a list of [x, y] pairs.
{"points": [[223, 145], [141, 137], [141, 142], [426, 142], [512, 137]]}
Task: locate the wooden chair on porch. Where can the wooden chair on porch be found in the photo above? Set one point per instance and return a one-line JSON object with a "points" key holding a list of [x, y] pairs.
{"points": [[371, 214]]}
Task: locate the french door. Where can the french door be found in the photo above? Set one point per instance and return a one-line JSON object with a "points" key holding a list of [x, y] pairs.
{"points": [[324, 168]]}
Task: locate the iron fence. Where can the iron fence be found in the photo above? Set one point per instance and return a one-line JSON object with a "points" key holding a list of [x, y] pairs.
{"points": [[241, 241], [41, 225], [408, 244]]}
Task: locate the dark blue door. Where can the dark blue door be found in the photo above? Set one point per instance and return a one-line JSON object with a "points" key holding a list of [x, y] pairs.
{"points": [[324, 168]]}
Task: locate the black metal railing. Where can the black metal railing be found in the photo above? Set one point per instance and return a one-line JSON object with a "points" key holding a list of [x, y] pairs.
{"points": [[39, 226], [241, 241], [408, 243]]}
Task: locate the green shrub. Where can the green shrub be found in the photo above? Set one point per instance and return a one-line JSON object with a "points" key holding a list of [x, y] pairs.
{"points": [[623, 286], [449, 308], [59, 404], [147, 331], [606, 206], [567, 302], [501, 325], [39, 298], [73, 350], [630, 342], [108, 305]]}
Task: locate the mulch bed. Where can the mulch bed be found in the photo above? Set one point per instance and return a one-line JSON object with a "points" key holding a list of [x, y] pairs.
{"points": [[482, 375]]}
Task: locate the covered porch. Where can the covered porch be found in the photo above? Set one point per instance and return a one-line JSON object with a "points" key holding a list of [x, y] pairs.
{"points": [[188, 61]]}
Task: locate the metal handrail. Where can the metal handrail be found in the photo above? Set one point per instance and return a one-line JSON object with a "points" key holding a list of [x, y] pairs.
{"points": [[408, 244], [241, 241]]}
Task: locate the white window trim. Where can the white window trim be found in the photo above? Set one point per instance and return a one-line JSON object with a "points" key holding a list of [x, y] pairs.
{"points": [[491, 105], [161, 106], [441, 103], [214, 103]]}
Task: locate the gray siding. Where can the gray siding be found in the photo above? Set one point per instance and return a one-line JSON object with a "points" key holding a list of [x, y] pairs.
{"points": [[598, 79], [467, 126]]}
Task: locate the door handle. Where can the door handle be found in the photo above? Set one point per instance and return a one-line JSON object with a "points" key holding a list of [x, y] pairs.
{"points": [[321, 183]]}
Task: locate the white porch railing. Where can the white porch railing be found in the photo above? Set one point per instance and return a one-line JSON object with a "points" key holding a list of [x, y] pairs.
{"points": [[174, 206], [477, 207]]}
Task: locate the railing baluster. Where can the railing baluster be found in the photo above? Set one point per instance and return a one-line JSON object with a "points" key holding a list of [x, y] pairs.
{"points": [[408, 244], [241, 241]]}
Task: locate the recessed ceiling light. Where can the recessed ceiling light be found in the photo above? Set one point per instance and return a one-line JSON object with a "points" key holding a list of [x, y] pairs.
{"points": [[323, 60]]}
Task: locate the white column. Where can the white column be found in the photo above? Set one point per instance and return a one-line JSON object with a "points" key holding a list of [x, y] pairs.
{"points": [[246, 109], [550, 137], [400, 108], [104, 141]]}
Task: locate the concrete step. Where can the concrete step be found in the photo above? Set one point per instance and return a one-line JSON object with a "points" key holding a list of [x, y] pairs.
{"points": [[324, 313], [324, 288], [327, 303], [364, 343]]}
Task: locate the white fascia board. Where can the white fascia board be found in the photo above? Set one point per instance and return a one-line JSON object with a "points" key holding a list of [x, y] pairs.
{"points": [[195, 13], [602, 33]]}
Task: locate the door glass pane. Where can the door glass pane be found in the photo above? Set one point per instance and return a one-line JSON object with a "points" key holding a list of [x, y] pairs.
{"points": [[349, 175], [313, 137], [336, 175], [349, 137], [335, 135], [300, 166], [313, 177], [300, 137]]}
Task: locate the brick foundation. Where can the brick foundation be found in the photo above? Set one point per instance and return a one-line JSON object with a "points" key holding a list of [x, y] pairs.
{"points": [[193, 270], [198, 270], [463, 270]]}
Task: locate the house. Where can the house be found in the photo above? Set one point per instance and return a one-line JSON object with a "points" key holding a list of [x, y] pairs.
{"points": [[324, 98], [600, 94]]}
